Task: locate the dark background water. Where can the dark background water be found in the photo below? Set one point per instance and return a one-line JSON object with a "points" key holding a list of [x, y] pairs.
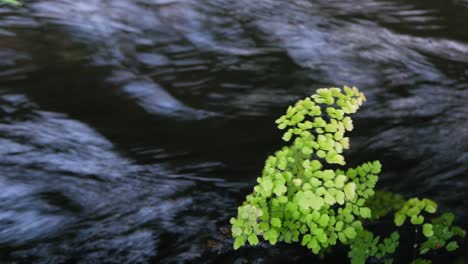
{"points": [[130, 130]]}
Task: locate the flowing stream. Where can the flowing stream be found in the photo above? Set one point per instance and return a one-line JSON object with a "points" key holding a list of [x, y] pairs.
{"points": [[130, 130]]}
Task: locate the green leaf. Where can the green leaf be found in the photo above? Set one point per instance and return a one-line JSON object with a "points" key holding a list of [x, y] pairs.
{"points": [[414, 211], [306, 150], [339, 114], [329, 184], [315, 165], [321, 154], [348, 123], [236, 231], [239, 242], [365, 212], [313, 244], [267, 185], [282, 125], [423, 251], [276, 222], [328, 174], [306, 239], [342, 238], [330, 128], [319, 122], [431, 206], [360, 202], [399, 219], [282, 163], [350, 190], [329, 199], [315, 215], [323, 221], [417, 220], [320, 191], [315, 182], [338, 136], [271, 235], [427, 230], [350, 232], [322, 237], [452, 246], [265, 226], [339, 226], [297, 118], [308, 199], [283, 199], [287, 136], [280, 189], [376, 167], [339, 197], [253, 239], [297, 182], [340, 181], [317, 203], [458, 231]]}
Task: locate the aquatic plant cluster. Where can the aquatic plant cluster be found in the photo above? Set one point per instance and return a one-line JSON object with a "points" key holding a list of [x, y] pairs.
{"points": [[12, 2], [298, 199]]}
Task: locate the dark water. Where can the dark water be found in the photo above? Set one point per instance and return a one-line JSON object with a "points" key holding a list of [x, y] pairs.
{"points": [[131, 129]]}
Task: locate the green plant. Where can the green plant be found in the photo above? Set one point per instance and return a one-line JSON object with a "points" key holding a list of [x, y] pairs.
{"points": [[413, 209], [382, 203], [298, 199], [366, 245], [440, 233], [12, 2]]}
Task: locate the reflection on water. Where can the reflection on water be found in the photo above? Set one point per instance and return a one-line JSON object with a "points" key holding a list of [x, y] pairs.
{"points": [[130, 130]]}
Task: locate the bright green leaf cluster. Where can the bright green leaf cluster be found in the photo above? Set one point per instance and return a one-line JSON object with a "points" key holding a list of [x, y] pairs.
{"points": [[440, 233], [297, 199], [12, 2], [366, 245], [413, 209], [318, 123]]}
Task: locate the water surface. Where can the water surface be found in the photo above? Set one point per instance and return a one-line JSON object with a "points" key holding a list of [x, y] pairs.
{"points": [[131, 130]]}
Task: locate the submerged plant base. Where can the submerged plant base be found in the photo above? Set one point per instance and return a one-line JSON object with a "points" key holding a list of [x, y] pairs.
{"points": [[298, 199]]}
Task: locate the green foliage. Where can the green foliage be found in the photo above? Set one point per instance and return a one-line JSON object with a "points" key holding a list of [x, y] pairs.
{"points": [[382, 203], [413, 209], [12, 2], [441, 233], [299, 199], [366, 245]]}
